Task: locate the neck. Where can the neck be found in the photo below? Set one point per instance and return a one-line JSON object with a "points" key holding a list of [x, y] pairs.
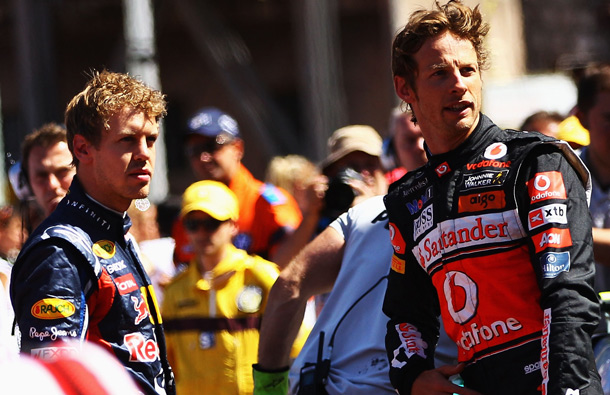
{"points": [[207, 262], [600, 167]]}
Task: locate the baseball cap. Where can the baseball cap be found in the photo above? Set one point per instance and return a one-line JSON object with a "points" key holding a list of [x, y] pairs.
{"points": [[211, 122], [352, 138], [572, 131], [211, 197]]}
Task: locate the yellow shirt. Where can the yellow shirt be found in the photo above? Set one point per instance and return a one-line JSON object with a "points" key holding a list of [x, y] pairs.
{"points": [[211, 323]]}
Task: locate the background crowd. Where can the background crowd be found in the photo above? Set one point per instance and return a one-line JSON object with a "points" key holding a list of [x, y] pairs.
{"points": [[300, 239]]}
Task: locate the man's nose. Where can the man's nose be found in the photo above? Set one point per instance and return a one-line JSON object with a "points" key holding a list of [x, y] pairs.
{"points": [[205, 157]]}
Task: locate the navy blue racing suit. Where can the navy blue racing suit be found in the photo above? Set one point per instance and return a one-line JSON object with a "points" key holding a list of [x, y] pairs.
{"points": [[78, 278]]}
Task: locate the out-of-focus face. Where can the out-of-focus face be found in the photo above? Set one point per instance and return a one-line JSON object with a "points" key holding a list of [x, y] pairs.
{"points": [[446, 99], [545, 126], [12, 237], [214, 159], [409, 143], [120, 168], [597, 121], [367, 165], [207, 235], [50, 173]]}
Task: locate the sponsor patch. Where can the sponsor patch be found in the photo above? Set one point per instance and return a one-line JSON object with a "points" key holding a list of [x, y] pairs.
{"points": [[126, 284], [554, 263], [475, 335], [544, 352], [495, 151], [411, 342], [54, 353], [552, 238], [52, 308], [484, 179], [398, 265], [398, 242], [51, 333], [423, 222], [442, 169], [116, 267], [105, 249], [481, 201], [488, 163], [140, 348], [546, 185], [551, 213], [417, 204], [140, 307], [467, 232]]}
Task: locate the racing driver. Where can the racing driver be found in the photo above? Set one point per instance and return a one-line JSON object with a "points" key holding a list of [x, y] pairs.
{"points": [[493, 234]]}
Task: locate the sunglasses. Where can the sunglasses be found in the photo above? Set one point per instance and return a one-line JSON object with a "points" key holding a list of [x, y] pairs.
{"points": [[211, 146], [208, 224]]}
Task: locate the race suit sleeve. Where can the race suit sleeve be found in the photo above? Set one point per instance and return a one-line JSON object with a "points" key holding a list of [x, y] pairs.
{"points": [[411, 303], [48, 299], [554, 210]]}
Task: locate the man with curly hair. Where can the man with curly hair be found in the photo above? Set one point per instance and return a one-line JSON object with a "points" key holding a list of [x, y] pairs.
{"points": [[493, 233], [78, 278]]}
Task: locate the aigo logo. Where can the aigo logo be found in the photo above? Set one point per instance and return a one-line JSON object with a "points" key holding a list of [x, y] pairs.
{"points": [[495, 151], [546, 185]]}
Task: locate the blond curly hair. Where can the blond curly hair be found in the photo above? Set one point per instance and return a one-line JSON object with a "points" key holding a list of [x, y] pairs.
{"points": [[104, 95]]}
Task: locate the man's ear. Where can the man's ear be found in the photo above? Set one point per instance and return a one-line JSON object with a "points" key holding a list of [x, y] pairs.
{"points": [[82, 148], [403, 90], [239, 146]]}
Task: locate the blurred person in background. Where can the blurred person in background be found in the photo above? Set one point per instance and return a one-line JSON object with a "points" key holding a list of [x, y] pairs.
{"points": [[46, 170], [404, 147], [353, 168], [593, 112], [545, 122], [212, 310], [350, 259], [156, 252], [12, 237], [268, 215], [572, 132]]}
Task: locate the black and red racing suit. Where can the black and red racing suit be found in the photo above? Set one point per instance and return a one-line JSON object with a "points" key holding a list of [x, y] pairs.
{"points": [[495, 236]]}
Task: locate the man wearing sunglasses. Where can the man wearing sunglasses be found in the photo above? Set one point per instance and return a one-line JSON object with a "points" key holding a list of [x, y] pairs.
{"points": [[212, 310], [267, 214]]}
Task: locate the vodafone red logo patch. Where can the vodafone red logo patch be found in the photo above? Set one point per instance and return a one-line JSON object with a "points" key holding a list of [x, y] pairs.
{"points": [[398, 242], [442, 169], [495, 151], [546, 185]]}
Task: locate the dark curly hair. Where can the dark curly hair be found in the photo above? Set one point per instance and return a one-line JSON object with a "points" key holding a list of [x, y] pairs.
{"points": [[454, 17]]}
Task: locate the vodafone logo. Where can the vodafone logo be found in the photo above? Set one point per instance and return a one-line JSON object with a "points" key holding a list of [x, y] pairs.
{"points": [[462, 296], [495, 151], [546, 185], [398, 242], [442, 169], [542, 182]]}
